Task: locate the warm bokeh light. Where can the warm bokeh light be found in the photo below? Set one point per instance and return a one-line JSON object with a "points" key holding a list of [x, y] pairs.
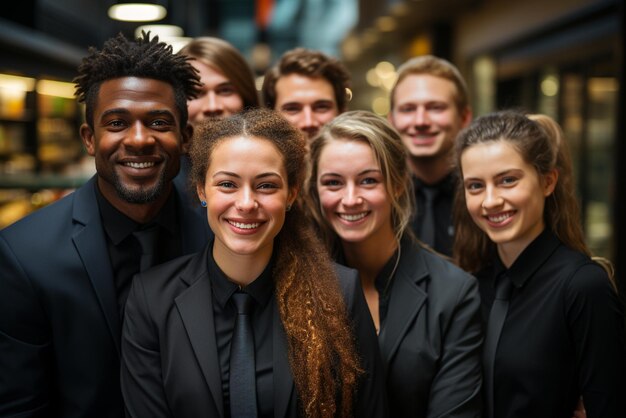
{"points": [[137, 12]]}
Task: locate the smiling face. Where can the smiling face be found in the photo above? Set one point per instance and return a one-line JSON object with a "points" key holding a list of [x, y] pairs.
{"points": [[246, 190], [136, 140], [426, 115], [505, 195], [217, 97], [352, 192], [307, 103]]}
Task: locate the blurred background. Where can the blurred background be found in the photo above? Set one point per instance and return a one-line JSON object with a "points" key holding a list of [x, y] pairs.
{"points": [[559, 57]]}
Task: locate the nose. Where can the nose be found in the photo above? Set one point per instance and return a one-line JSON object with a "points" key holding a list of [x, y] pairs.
{"points": [[212, 106], [246, 201], [139, 136], [492, 199], [351, 196], [421, 117]]}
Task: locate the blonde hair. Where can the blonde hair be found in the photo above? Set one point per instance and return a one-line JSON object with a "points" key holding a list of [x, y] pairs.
{"points": [[390, 154]]}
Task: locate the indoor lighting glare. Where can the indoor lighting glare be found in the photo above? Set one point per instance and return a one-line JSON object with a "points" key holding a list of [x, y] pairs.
{"points": [[56, 88], [137, 12], [16, 83]]}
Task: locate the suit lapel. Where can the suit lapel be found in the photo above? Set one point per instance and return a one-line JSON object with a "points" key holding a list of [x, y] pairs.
{"points": [[283, 379], [407, 299], [196, 311], [90, 242]]}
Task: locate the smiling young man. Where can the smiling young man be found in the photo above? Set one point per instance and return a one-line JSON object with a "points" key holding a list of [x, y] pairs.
{"points": [[308, 88], [65, 271], [429, 107]]}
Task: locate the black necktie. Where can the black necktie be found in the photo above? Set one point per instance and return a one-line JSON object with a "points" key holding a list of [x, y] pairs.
{"points": [[148, 241], [497, 315], [427, 232], [242, 370]]}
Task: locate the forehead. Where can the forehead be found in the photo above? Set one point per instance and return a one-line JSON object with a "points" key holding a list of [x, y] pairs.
{"points": [[300, 88], [135, 93], [360, 152], [425, 87], [209, 72], [492, 157], [227, 150]]}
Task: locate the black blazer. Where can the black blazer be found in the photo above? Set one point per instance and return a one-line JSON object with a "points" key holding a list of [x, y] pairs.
{"points": [[170, 365], [431, 339], [59, 322]]}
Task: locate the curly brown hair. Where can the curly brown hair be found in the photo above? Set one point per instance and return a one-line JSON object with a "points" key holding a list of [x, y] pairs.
{"points": [[322, 352]]}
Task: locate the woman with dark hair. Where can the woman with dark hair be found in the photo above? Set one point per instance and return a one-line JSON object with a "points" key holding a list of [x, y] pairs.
{"points": [[426, 310], [555, 331], [314, 349]]}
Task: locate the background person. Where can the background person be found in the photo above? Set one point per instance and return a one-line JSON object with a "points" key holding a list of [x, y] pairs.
{"points": [[65, 270], [426, 309], [227, 88], [308, 88], [555, 330], [429, 106], [180, 322]]}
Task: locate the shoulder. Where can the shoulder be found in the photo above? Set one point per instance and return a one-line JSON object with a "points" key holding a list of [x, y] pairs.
{"points": [[348, 279], [167, 280], [444, 276]]}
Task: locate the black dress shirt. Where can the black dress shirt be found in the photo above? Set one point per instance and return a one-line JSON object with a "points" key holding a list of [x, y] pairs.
{"points": [[383, 283], [124, 249], [563, 336], [262, 291], [444, 227]]}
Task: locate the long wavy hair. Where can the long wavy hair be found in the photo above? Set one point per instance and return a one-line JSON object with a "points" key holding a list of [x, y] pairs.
{"points": [[391, 155], [540, 142], [322, 352]]}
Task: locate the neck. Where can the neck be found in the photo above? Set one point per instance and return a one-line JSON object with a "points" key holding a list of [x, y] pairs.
{"points": [[430, 170], [241, 269], [509, 252], [369, 257]]}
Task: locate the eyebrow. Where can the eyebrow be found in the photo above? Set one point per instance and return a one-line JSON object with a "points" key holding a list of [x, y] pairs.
{"points": [[366, 171], [258, 176], [123, 111]]}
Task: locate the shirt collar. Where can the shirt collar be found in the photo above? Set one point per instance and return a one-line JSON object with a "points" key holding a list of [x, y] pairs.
{"points": [[445, 186], [118, 226], [260, 289], [531, 258]]}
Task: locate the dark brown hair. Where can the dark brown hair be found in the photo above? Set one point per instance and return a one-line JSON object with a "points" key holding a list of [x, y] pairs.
{"points": [[539, 141], [308, 63], [322, 351]]}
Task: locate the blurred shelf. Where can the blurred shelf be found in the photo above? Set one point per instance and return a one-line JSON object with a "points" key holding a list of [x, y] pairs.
{"points": [[36, 182]]}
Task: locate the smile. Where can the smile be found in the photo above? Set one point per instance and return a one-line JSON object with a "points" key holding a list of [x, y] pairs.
{"points": [[139, 165], [499, 218], [242, 225], [353, 217]]}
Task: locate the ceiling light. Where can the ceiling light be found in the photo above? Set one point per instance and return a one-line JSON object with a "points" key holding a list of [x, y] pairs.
{"points": [[137, 12]]}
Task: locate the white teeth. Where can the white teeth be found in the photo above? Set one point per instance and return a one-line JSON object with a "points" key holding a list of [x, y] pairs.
{"points": [[499, 218], [139, 165], [352, 217], [241, 225]]}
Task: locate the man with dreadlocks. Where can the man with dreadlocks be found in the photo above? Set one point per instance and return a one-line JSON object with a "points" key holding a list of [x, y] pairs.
{"points": [[65, 270]]}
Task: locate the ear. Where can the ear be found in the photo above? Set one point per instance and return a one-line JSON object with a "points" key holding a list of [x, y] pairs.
{"points": [[466, 116], [292, 195], [186, 136], [87, 135], [549, 182], [200, 192]]}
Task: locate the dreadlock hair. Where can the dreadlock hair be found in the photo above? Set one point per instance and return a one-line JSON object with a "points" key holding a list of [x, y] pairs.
{"points": [[143, 57], [321, 349]]}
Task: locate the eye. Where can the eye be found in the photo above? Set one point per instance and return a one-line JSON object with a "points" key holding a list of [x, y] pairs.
{"points": [[269, 187], [369, 181], [116, 124], [291, 109], [406, 109], [322, 107], [160, 124], [473, 186], [331, 183], [225, 90], [225, 184], [508, 180], [437, 107]]}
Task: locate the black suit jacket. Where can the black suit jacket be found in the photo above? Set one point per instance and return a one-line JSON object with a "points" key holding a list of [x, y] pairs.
{"points": [[431, 339], [59, 322], [170, 365]]}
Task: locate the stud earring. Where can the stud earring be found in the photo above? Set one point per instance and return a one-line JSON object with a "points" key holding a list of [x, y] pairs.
{"points": [[203, 203], [288, 208]]}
